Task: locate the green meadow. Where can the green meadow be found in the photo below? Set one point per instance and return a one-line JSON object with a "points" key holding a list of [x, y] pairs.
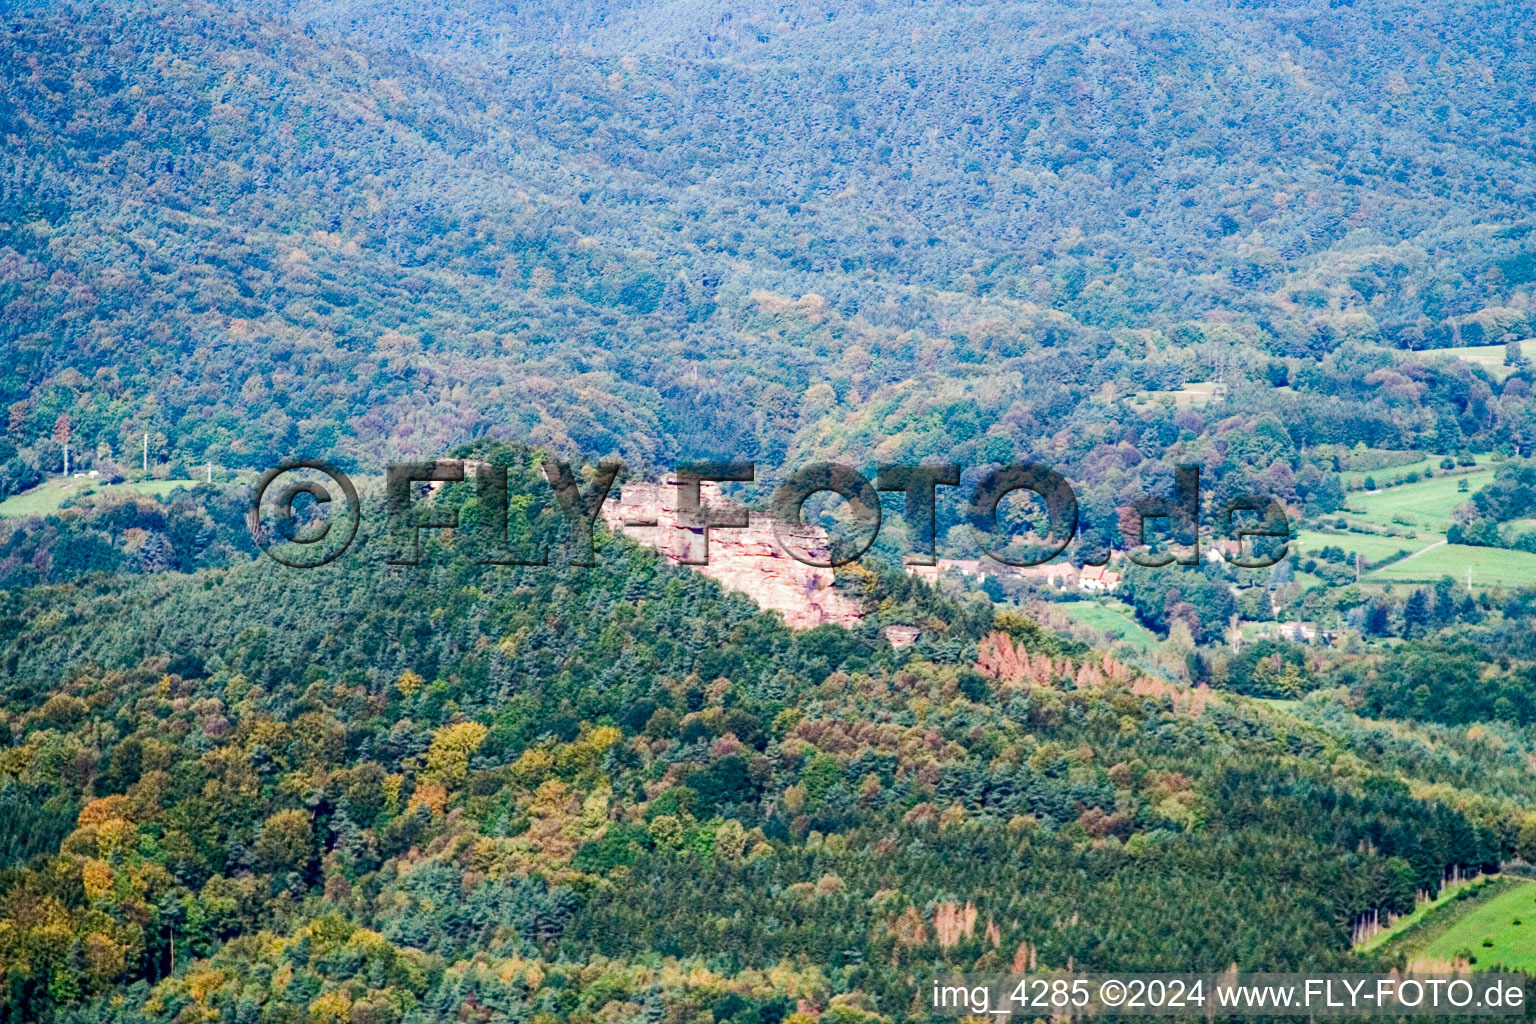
{"points": [[1494, 924], [1193, 394], [1425, 506], [1372, 547], [1421, 512], [1111, 617], [48, 497], [1490, 566], [1393, 476], [1489, 357], [1437, 908]]}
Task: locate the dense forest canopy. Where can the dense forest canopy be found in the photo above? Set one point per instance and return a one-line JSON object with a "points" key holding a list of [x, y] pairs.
{"points": [[422, 790], [372, 231], [1291, 246]]}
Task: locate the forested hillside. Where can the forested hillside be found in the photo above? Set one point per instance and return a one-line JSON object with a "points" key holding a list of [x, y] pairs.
{"points": [[1290, 245], [390, 794], [667, 232]]}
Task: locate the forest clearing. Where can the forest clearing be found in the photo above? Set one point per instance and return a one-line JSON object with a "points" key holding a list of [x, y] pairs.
{"points": [[1489, 925]]}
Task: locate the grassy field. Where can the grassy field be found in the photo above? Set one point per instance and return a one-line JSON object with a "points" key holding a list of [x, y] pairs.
{"points": [[1497, 926], [1194, 393], [1489, 357], [1354, 479], [1422, 511], [1113, 617], [1412, 921], [1425, 506], [1391, 477], [48, 496], [1371, 548], [1489, 566]]}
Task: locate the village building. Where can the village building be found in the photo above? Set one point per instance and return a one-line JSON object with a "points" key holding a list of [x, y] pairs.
{"points": [[1099, 579]]}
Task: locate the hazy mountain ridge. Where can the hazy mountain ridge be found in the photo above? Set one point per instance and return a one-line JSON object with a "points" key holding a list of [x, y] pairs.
{"points": [[214, 188]]}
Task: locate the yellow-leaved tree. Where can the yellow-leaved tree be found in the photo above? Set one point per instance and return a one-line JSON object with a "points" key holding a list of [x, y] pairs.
{"points": [[452, 746]]}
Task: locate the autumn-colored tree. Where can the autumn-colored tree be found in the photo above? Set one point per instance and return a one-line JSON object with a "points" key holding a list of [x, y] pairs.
{"points": [[452, 747], [286, 841]]}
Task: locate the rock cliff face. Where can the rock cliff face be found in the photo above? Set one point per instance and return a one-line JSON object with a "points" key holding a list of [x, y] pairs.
{"points": [[749, 559]]}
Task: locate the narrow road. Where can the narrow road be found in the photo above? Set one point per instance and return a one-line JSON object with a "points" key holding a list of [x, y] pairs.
{"points": [[1416, 554]]}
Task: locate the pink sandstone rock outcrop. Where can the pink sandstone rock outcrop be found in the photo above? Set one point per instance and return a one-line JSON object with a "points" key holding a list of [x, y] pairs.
{"points": [[748, 559]]}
